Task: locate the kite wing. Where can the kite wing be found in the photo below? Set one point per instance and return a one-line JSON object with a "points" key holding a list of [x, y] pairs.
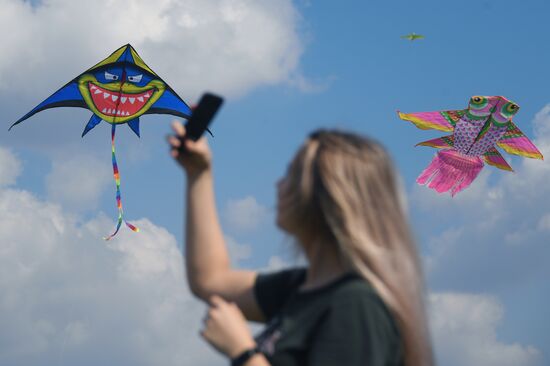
{"points": [[67, 96], [515, 142], [442, 120], [494, 158]]}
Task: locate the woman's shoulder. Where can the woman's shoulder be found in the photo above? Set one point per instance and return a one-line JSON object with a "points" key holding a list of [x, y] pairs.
{"points": [[287, 278], [357, 295], [355, 286], [272, 290]]}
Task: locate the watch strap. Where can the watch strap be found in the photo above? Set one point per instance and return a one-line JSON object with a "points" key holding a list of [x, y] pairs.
{"points": [[245, 356]]}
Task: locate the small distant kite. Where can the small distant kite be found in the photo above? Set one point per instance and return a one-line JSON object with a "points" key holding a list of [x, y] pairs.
{"points": [[117, 90], [413, 36], [476, 131]]}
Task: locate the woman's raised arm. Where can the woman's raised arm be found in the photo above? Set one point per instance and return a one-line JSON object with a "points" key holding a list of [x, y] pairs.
{"points": [[207, 261]]}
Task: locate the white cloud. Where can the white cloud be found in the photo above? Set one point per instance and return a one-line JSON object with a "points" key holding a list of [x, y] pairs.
{"points": [[464, 333], [276, 263], [245, 214], [78, 181], [492, 237], [10, 167], [237, 251], [229, 46], [67, 294], [544, 223]]}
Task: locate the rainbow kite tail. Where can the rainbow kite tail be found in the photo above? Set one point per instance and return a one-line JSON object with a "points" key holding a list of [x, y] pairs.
{"points": [[118, 199], [451, 171]]}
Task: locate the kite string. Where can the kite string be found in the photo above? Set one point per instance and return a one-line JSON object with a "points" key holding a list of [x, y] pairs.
{"points": [[118, 198]]}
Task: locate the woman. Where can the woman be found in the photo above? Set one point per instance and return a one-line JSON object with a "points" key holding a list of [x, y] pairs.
{"points": [[359, 301]]}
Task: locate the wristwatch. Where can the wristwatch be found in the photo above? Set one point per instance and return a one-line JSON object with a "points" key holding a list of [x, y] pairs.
{"points": [[245, 356]]}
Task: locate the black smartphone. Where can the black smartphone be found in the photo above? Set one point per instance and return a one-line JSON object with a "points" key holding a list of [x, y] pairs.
{"points": [[202, 115]]}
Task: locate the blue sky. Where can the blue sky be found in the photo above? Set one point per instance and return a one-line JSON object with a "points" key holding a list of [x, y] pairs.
{"points": [[285, 68]]}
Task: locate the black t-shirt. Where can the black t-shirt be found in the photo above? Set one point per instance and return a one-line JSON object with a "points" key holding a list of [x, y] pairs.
{"points": [[344, 323]]}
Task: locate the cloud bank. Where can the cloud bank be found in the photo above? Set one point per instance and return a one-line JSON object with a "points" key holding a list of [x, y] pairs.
{"points": [[67, 294], [502, 217], [228, 46], [70, 298], [464, 333]]}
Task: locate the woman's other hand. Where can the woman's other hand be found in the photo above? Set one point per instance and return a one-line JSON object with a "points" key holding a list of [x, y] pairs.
{"points": [[194, 156], [226, 329]]}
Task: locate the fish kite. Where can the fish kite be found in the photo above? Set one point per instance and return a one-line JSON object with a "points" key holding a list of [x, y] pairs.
{"points": [[117, 90], [412, 36], [475, 133]]}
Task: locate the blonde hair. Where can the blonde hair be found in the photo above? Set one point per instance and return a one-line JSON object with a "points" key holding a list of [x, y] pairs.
{"points": [[342, 187]]}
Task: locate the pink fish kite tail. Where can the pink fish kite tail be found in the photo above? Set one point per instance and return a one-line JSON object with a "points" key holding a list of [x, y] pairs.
{"points": [[451, 171], [118, 198]]}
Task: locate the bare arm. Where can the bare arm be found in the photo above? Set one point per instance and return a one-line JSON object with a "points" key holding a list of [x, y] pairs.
{"points": [[208, 266]]}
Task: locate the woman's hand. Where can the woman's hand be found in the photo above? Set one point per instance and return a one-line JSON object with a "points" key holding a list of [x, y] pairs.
{"points": [[226, 328], [194, 156]]}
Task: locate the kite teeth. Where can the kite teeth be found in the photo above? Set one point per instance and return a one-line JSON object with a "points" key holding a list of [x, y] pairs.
{"points": [[132, 100], [127, 113], [93, 87], [106, 95], [147, 95], [104, 110], [97, 91], [114, 97], [123, 99], [140, 99]]}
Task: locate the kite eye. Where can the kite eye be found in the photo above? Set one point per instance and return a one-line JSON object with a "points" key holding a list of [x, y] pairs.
{"points": [[110, 76], [477, 100], [135, 78], [512, 107]]}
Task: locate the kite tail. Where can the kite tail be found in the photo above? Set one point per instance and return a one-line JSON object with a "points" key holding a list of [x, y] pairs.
{"points": [[118, 199], [451, 171]]}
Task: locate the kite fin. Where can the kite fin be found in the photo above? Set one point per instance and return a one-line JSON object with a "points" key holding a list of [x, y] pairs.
{"points": [[444, 142], [94, 121], [450, 171], [494, 158], [134, 125]]}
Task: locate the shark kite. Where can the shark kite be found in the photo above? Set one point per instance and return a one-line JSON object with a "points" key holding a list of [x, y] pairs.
{"points": [[117, 90]]}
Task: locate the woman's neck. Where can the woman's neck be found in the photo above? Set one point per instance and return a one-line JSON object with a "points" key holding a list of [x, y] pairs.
{"points": [[325, 264]]}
